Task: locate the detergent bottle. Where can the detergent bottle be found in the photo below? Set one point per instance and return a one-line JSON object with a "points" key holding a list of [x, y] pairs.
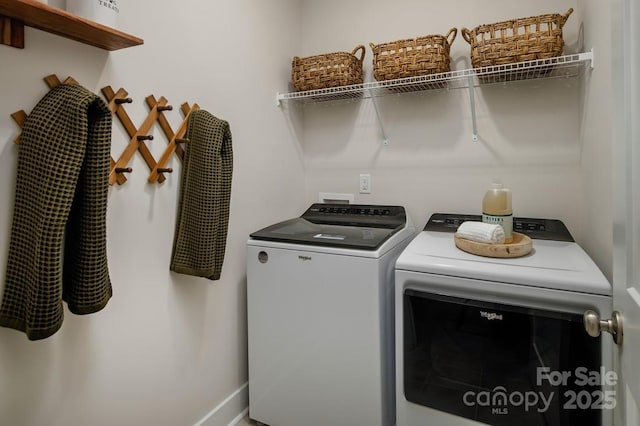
{"points": [[496, 208]]}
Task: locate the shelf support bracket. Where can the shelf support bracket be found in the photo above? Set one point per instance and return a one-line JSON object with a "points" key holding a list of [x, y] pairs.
{"points": [[385, 140], [472, 102], [11, 32]]}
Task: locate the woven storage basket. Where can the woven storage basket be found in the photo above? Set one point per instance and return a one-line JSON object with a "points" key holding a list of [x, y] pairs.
{"points": [[327, 70], [517, 40], [412, 57]]}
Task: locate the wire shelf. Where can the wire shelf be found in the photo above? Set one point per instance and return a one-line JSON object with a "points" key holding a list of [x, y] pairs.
{"points": [[567, 66]]}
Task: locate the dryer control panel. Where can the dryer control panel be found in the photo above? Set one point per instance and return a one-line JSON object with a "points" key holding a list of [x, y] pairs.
{"points": [[539, 229]]}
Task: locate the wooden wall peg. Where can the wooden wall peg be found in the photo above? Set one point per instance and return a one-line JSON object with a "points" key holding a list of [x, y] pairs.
{"points": [[172, 146], [134, 144], [164, 125], [118, 109], [115, 100]]}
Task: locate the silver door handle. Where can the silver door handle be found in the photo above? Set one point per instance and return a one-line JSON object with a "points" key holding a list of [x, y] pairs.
{"points": [[594, 325]]}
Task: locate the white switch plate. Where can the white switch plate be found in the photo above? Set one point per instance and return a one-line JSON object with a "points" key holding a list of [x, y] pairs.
{"points": [[365, 184]]}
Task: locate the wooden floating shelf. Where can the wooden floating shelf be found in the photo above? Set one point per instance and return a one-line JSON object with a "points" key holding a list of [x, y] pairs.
{"points": [[56, 21]]}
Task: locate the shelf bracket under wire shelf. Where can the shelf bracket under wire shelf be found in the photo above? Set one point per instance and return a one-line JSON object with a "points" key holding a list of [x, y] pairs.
{"points": [[385, 140], [472, 101]]}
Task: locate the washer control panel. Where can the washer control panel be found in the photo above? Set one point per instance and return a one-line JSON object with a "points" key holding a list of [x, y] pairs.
{"points": [[356, 215]]}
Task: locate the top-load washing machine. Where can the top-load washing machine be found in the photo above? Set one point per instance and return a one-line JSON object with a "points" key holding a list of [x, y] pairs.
{"points": [[320, 316], [500, 341]]}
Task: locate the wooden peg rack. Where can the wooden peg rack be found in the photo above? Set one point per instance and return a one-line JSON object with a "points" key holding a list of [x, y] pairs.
{"points": [[138, 136]]}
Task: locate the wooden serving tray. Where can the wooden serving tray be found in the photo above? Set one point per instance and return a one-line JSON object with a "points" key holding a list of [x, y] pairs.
{"points": [[521, 246]]}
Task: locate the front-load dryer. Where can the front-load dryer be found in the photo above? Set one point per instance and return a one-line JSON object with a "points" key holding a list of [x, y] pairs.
{"points": [[500, 341]]}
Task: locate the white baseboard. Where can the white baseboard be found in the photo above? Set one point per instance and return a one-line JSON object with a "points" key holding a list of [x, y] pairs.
{"points": [[230, 411], [239, 418]]}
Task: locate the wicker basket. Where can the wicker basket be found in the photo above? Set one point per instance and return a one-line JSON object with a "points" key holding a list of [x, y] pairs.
{"points": [[524, 39], [327, 70], [412, 57]]}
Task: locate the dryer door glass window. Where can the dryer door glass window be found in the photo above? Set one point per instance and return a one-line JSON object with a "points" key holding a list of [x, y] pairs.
{"points": [[500, 364]]}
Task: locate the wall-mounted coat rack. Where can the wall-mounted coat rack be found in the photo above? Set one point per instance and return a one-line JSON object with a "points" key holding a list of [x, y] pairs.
{"points": [[137, 135], [175, 138]]}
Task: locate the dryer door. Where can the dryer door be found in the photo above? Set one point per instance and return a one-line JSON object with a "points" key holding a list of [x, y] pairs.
{"points": [[500, 364]]}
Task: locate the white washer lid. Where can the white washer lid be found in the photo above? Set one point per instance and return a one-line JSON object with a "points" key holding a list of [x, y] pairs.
{"points": [[551, 264]]}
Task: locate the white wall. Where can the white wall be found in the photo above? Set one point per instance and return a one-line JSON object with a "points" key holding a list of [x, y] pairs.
{"points": [[545, 139], [168, 348], [596, 159]]}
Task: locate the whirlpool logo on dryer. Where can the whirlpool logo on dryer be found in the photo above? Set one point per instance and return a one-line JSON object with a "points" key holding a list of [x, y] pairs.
{"points": [[491, 316], [304, 258]]}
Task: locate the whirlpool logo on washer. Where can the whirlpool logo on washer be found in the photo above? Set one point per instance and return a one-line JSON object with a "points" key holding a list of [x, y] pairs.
{"points": [[491, 316], [304, 258]]}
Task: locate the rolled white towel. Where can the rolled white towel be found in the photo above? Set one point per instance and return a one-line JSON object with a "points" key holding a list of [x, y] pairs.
{"points": [[481, 232]]}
